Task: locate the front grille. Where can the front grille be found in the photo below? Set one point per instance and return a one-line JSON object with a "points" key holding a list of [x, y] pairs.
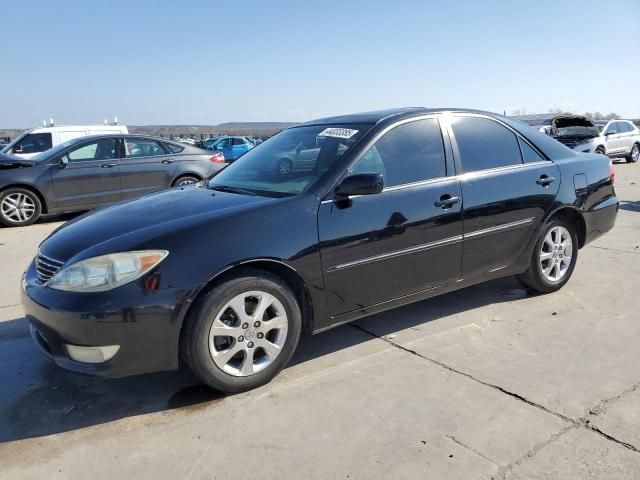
{"points": [[46, 268]]}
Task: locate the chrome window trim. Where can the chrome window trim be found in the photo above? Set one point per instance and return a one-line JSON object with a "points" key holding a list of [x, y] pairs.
{"points": [[438, 243]]}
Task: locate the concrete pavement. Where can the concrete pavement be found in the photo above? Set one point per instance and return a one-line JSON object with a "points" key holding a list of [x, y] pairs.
{"points": [[487, 382]]}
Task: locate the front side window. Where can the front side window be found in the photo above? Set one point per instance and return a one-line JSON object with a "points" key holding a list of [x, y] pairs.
{"points": [[33, 143], [101, 150], [613, 128], [290, 162], [409, 153], [135, 147], [484, 144], [222, 143]]}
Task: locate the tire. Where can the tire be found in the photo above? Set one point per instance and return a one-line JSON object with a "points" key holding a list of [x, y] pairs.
{"points": [[185, 180], [600, 150], [634, 154], [220, 360], [284, 167], [535, 278], [19, 207]]}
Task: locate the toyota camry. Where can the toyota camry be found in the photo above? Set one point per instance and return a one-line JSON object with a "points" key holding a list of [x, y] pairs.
{"points": [[395, 206]]}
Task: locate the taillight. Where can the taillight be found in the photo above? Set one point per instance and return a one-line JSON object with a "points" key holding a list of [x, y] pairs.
{"points": [[612, 172], [217, 158]]}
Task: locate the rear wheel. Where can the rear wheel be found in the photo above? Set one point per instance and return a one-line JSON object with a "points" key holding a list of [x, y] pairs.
{"points": [[634, 155], [242, 333], [185, 180], [19, 207], [553, 259]]}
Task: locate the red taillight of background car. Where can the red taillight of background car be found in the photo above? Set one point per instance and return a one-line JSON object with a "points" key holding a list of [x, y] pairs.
{"points": [[217, 158], [612, 172]]}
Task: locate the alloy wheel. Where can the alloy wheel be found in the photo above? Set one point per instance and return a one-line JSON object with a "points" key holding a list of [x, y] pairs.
{"points": [[635, 153], [284, 167], [248, 333], [556, 253], [18, 207]]}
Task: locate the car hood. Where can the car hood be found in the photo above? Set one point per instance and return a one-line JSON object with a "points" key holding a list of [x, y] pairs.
{"points": [[576, 126], [8, 162], [127, 225]]}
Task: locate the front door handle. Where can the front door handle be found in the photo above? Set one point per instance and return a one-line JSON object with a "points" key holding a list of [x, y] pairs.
{"points": [[446, 201], [544, 180], [109, 165], [167, 161]]}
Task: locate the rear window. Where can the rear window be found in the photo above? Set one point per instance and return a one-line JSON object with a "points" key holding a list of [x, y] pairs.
{"points": [[173, 148]]}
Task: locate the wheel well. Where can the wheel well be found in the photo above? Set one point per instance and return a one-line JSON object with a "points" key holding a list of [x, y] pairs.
{"points": [[600, 147], [576, 219], [282, 271], [35, 191], [194, 175]]}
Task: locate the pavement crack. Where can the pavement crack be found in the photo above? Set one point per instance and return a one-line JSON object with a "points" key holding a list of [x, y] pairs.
{"points": [[468, 375], [580, 422], [472, 450], [602, 406], [533, 451], [614, 250]]}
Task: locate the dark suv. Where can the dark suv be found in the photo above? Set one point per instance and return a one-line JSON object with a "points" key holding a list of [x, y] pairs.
{"points": [[92, 171]]}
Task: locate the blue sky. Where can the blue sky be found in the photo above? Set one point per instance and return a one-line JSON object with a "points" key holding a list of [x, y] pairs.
{"points": [[205, 62]]}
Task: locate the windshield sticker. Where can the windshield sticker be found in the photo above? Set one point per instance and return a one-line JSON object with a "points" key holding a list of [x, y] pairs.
{"points": [[338, 132]]}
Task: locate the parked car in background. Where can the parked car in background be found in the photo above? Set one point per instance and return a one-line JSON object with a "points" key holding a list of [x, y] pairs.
{"points": [[37, 140], [615, 138], [401, 205], [88, 172], [187, 141], [231, 147]]}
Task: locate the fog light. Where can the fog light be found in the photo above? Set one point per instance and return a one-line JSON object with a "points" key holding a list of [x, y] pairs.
{"points": [[91, 354]]}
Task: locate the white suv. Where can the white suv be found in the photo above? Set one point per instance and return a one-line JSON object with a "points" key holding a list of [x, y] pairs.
{"points": [[618, 138]]}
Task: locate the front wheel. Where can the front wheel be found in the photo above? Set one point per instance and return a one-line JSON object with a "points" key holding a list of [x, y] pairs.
{"points": [[553, 259], [285, 166], [634, 155], [241, 333], [19, 207]]}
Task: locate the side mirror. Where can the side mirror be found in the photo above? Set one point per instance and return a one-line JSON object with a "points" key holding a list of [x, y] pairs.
{"points": [[361, 184], [64, 161]]}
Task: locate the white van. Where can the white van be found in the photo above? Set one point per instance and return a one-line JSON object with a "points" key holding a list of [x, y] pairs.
{"points": [[32, 142]]}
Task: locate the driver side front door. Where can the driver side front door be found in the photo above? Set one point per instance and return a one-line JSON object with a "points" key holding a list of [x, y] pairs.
{"points": [[87, 175]]}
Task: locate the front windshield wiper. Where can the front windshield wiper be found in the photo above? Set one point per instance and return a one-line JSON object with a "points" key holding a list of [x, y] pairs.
{"points": [[230, 189]]}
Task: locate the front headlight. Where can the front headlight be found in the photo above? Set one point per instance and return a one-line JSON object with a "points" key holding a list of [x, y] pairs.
{"points": [[106, 272]]}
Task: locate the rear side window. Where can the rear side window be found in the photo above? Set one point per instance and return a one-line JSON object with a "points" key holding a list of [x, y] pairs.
{"points": [[624, 127], [529, 154], [142, 147], [409, 153], [238, 141], [484, 144], [174, 148], [33, 143]]}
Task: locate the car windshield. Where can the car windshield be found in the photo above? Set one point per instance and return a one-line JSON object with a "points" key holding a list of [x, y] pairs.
{"points": [[290, 162], [578, 131]]}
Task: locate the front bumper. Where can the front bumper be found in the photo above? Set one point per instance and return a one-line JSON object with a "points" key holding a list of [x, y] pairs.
{"points": [[145, 324]]}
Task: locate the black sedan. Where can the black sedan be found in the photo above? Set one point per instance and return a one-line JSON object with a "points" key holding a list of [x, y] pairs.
{"points": [[399, 206], [92, 171]]}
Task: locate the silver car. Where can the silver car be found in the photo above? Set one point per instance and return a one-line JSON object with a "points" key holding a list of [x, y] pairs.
{"points": [[619, 138]]}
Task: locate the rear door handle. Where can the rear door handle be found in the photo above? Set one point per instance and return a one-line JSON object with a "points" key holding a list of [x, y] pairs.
{"points": [[544, 180], [109, 165], [446, 201]]}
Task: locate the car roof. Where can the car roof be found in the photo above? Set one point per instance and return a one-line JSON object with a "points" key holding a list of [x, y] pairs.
{"points": [[380, 116]]}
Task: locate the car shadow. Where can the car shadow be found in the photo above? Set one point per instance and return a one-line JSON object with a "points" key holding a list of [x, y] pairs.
{"points": [[37, 398], [630, 206]]}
